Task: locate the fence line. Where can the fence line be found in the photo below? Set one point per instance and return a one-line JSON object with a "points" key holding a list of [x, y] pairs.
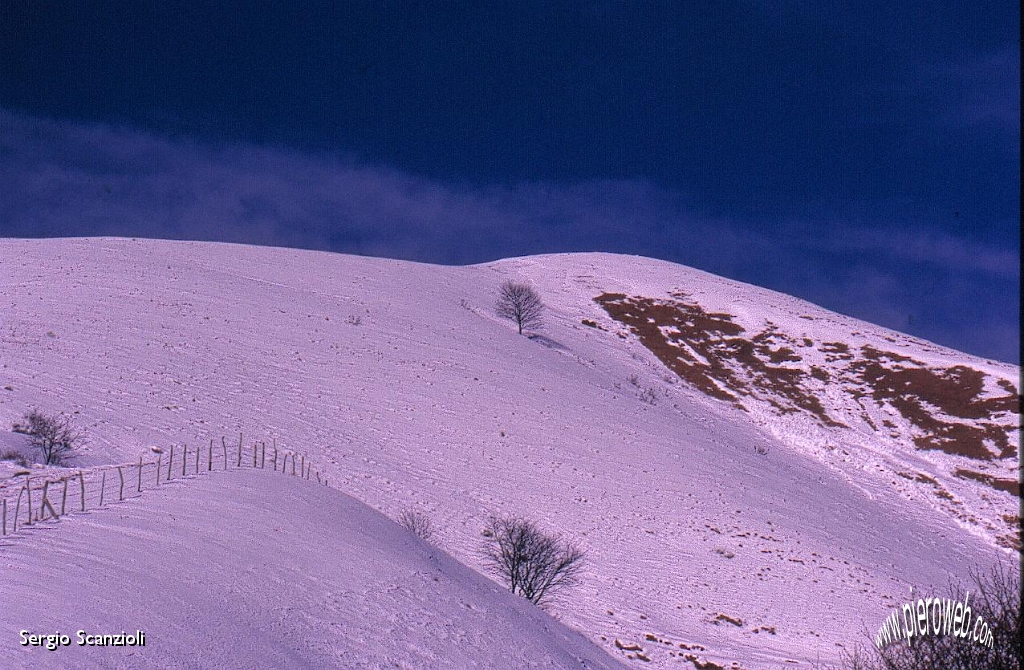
{"points": [[93, 488]]}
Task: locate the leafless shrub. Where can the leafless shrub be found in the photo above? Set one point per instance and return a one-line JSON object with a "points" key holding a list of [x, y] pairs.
{"points": [[649, 396], [532, 563], [418, 524], [634, 380], [14, 457], [522, 304], [996, 598], [761, 450], [52, 435], [354, 320]]}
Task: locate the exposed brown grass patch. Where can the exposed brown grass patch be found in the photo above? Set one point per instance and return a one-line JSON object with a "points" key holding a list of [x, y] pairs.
{"points": [[836, 351], [1009, 485], [646, 317], [1010, 541], [707, 350], [819, 373], [918, 477], [627, 646], [914, 389], [950, 409], [734, 620]]}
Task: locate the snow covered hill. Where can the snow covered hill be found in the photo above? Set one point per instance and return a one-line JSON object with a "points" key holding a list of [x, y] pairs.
{"points": [[756, 479], [243, 569]]}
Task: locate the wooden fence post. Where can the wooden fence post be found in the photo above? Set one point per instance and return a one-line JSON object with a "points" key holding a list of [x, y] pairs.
{"points": [[293, 464], [17, 509], [170, 462], [302, 470], [184, 458], [140, 474], [209, 459], [317, 476], [224, 444], [197, 459], [239, 450], [159, 466], [5, 516], [28, 486], [81, 480], [255, 450], [120, 493], [263, 454], [64, 496], [103, 487], [275, 459], [45, 505]]}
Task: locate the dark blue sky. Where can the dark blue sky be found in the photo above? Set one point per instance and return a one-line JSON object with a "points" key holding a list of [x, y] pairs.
{"points": [[866, 158]]}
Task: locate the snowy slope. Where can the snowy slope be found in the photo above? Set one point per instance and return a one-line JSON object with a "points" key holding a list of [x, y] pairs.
{"points": [[244, 569], [399, 380]]}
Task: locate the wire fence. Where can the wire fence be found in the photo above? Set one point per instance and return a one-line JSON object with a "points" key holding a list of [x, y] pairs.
{"points": [[32, 498]]}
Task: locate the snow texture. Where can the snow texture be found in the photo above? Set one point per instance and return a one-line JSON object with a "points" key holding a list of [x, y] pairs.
{"points": [[739, 535]]}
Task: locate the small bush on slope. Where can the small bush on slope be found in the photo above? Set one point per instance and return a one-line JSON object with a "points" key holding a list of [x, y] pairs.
{"points": [[418, 524], [532, 563], [15, 457], [52, 436]]}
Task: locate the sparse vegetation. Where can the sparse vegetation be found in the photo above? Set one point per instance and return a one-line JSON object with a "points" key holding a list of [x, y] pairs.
{"points": [[522, 304], [649, 396], [996, 598], [14, 457], [533, 564], [418, 524], [52, 435]]}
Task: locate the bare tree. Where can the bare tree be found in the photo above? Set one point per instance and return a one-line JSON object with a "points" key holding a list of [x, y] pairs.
{"points": [[533, 564], [522, 304], [52, 436], [418, 524]]}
